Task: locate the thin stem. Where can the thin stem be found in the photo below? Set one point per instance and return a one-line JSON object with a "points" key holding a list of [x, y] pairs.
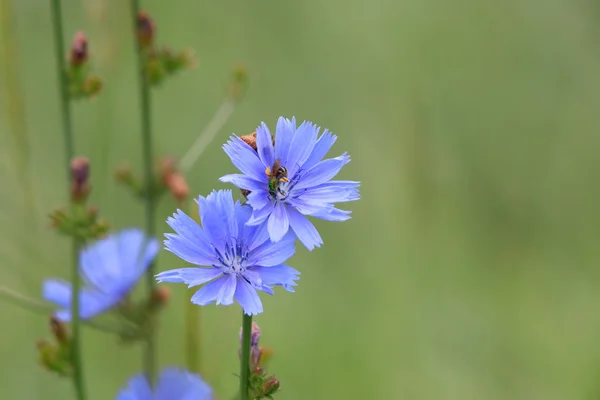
{"points": [[245, 357], [213, 127], [65, 107], [149, 200]]}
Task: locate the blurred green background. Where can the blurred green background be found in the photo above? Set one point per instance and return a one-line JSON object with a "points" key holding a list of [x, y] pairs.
{"points": [[469, 269]]}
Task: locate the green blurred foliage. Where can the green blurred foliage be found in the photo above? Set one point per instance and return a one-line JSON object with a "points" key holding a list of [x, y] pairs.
{"points": [[470, 267]]}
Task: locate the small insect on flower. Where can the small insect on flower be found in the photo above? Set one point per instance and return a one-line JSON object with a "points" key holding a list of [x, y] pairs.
{"points": [[276, 175], [173, 384], [110, 268], [240, 257], [287, 180]]}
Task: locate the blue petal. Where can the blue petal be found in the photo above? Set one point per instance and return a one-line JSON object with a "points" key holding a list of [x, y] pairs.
{"points": [[116, 262], [283, 137], [137, 389], [323, 145], [332, 214], [191, 243], [259, 199], [190, 276], [244, 158], [91, 302], [226, 292], [270, 253], [281, 275], [302, 145], [322, 172], [259, 216], [243, 181], [251, 235], [209, 293], [304, 229], [57, 292], [178, 384], [216, 218], [279, 223], [264, 145], [307, 206], [246, 295], [325, 195]]}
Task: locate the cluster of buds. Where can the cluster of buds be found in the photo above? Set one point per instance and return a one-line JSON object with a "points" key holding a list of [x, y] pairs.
{"points": [[167, 178], [159, 62], [139, 317], [79, 221], [55, 356], [82, 84], [262, 385]]}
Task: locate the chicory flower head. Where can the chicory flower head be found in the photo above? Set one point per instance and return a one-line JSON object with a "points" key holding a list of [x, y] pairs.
{"points": [[240, 257], [289, 180], [173, 384], [110, 268]]}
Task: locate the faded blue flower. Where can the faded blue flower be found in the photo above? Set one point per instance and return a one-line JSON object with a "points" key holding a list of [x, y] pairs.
{"points": [[110, 268], [240, 257], [173, 384], [289, 180]]}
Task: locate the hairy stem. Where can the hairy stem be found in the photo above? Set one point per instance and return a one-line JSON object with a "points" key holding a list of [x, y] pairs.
{"points": [[65, 108], [150, 198], [245, 356]]}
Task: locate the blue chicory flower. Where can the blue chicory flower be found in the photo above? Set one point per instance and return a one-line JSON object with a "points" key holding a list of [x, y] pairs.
{"points": [[173, 384], [240, 257], [110, 268], [306, 188]]}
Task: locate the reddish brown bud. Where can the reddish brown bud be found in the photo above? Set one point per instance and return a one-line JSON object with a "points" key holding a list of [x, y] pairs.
{"points": [[270, 386], [167, 166], [178, 186], [146, 29], [79, 50], [160, 296], [59, 330], [250, 140], [80, 169]]}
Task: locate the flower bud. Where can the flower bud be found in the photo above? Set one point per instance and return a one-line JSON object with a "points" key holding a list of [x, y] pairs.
{"points": [[269, 387], [80, 169], [79, 50], [59, 330], [146, 29], [250, 140], [254, 335], [178, 186]]}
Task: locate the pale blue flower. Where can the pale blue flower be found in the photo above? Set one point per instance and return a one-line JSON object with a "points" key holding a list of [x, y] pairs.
{"points": [[309, 190], [110, 268], [240, 257], [173, 384]]}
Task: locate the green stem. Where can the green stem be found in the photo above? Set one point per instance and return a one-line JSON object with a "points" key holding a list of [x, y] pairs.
{"points": [[149, 200], [65, 107], [245, 357]]}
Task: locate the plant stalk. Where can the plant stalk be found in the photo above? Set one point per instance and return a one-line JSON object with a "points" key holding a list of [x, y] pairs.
{"points": [[150, 198], [65, 107], [245, 357]]}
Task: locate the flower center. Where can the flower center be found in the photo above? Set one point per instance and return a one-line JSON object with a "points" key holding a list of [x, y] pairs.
{"points": [[233, 261]]}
